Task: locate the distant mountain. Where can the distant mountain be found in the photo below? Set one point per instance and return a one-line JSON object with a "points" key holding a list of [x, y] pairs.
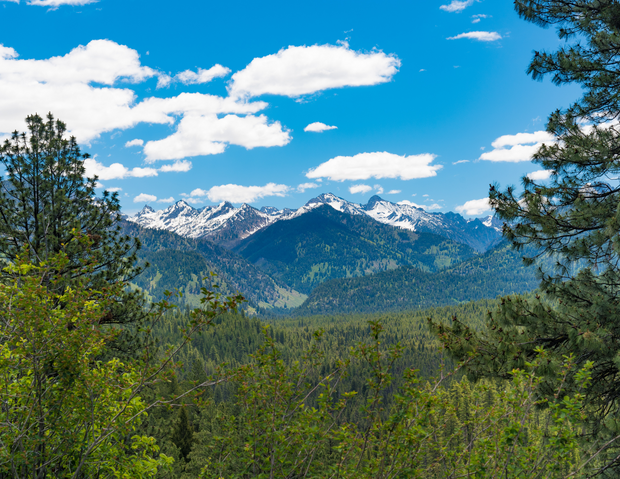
{"points": [[499, 271], [324, 243], [178, 262], [478, 234], [226, 225], [223, 224]]}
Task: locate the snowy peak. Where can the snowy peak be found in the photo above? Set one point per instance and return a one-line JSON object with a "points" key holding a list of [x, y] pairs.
{"points": [[223, 224], [335, 202], [145, 211], [227, 225]]}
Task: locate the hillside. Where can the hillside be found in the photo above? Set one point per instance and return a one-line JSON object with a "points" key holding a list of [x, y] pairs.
{"points": [[178, 262], [497, 272], [324, 244]]}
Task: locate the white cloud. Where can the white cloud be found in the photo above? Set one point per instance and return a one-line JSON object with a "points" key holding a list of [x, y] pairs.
{"points": [[522, 147], [302, 70], [114, 189], [457, 6], [424, 207], [136, 142], [460, 162], [319, 127], [359, 189], [145, 198], [480, 36], [116, 171], [57, 3], [177, 167], [477, 18], [425, 196], [522, 138], [189, 77], [209, 135], [540, 175], [86, 80], [394, 192], [376, 165], [307, 186], [64, 85], [422, 70], [474, 207], [166, 200], [197, 192], [379, 189], [244, 194]]}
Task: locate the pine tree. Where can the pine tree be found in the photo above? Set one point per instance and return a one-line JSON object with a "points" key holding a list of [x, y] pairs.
{"points": [[45, 200], [573, 217], [183, 435]]}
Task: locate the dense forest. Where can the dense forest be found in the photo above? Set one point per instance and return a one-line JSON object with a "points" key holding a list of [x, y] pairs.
{"points": [[418, 370]]}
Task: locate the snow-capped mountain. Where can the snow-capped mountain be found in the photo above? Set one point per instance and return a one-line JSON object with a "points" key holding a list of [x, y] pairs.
{"points": [[223, 224], [226, 225], [475, 233]]}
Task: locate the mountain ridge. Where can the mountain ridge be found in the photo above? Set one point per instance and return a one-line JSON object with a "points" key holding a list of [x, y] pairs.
{"points": [[228, 226]]}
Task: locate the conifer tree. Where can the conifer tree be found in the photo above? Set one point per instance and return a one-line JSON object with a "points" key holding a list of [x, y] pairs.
{"points": [[183, 435], [573, 217], [45, 200]]}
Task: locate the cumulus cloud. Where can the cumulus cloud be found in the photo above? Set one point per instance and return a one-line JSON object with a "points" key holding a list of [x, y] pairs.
{"points": [[116, 171], [209, 135], [360, 189], [145, 198], [114, 189], [303, 70], [394, 192], [480, 36], [540, 175], [166, 200], [377, 165], [474, 207], [189, 77], [460, 162], [177, 167], [307, 186], [319, 127], [64, 85], [521, 147], [457, 5], [136, 142], [86, 80], [242, 194]]}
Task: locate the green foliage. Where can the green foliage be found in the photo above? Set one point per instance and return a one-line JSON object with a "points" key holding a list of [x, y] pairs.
{"points": [[430, 431], [498, 272], [573, 218], [181, 263], [65, 414], [45, 199], [324, 244]]}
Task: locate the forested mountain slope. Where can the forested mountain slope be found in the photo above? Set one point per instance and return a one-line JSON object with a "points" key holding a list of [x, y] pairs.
{"points": [[497, 272], [325, 243], [178, 262]]}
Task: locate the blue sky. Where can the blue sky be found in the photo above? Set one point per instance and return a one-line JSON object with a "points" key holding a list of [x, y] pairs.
{"points": [[427, 101]]}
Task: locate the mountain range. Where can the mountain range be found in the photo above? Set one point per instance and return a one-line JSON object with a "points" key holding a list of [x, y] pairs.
{"points": [[227, 225], [328, 256]]}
